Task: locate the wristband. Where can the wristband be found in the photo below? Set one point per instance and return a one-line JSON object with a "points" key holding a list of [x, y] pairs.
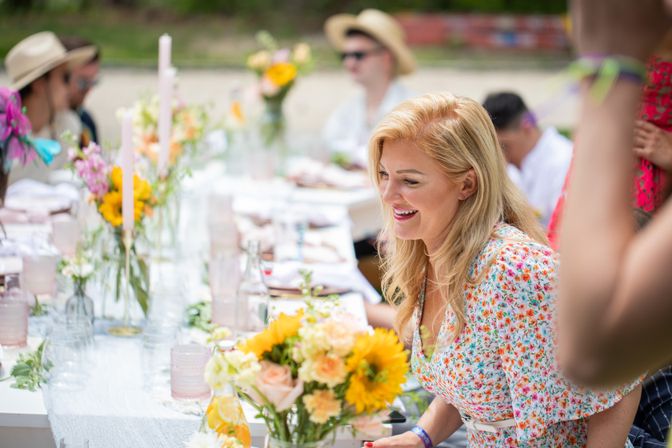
{"points": [[426, 440], [604, 71]]}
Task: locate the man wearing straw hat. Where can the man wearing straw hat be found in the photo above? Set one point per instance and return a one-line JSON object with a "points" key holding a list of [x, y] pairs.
{"points": [[38, 67], [374, 53]]}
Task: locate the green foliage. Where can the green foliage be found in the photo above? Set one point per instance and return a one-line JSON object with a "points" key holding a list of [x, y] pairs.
{"points": [[199, 315], [30, 371]]}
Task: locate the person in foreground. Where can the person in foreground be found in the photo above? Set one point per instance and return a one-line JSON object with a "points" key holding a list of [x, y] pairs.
{"points": [[615, 312], [467, 262]]}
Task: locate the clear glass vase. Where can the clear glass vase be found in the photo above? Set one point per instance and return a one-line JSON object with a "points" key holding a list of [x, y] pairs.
{"points": [[225, 416], [272, 442], [79, 307]]}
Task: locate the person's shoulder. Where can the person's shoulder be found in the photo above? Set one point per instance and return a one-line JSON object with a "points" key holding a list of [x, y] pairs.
{"points": [[514, 253]]}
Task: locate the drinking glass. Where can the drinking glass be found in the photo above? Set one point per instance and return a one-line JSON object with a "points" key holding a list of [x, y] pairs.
{"points": [[187, 369]]}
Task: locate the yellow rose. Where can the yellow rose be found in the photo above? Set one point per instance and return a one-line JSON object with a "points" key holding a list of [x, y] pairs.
{"points": [[322, 405]]}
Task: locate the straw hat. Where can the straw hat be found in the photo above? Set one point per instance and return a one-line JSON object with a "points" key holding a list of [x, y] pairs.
{"points": [[380, 26], [37, 54]]}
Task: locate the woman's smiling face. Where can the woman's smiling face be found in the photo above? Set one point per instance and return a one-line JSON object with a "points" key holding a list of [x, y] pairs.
{"points": [[422, 197]]}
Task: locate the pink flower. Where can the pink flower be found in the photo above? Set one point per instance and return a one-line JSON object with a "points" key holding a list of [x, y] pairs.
{"points": [[275, 382], [14, 128], [371, 425], [93, 170]]}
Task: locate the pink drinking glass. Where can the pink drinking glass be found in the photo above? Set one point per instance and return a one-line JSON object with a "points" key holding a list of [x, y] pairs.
{"points": [[187, 369], [13, 323]]}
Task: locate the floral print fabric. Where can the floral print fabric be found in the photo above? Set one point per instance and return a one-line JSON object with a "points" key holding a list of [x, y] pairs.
{"points": [[502, 365]]}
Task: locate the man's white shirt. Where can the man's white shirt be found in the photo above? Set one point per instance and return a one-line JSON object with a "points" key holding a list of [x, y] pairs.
{"points": [[542, 172], [348, 131]]}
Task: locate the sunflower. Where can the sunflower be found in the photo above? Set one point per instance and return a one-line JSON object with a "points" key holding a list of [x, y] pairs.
{"points": [[110, 208], [281, 73], [378, 365], [285, 326]]}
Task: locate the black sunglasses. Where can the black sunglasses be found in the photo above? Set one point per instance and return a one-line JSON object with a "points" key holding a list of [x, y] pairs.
{"points": [[359, 55]]}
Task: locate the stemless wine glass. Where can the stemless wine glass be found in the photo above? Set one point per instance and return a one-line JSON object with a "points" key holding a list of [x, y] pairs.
{"points": [[187, 369]]}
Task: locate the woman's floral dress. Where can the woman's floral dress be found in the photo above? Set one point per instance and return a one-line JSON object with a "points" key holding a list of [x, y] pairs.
{"points": [[502, 364]]}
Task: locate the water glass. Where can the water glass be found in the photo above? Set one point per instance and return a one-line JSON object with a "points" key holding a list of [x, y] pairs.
{"points": [[224, 274], [157, 340], [290, 230], [187, 370], [65, 234], [13, 323], [39, 273], [69, 350]]}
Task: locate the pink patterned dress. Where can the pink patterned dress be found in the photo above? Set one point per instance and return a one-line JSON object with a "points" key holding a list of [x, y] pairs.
{"points": [[502, 365]]}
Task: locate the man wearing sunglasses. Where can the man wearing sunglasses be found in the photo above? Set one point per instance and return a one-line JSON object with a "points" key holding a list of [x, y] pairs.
{"points": [[82, 80], [372, 49]]}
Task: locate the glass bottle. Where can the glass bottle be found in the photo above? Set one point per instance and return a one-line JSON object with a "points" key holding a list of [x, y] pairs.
{"points": [[225, 416], [79, 307], [253, 297]]}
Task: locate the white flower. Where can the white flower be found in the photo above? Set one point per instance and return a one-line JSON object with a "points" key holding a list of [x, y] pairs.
{"points": [[314, 341], [212, 440], [241, 367]]}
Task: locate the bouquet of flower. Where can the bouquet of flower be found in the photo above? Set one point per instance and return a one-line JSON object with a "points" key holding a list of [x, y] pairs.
{"points": [[104, 183], [188, 128], [309, 373], [15, 140], [277, 70]]}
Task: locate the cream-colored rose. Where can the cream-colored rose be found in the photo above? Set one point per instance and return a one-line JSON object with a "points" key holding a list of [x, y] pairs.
{"points": [[329, 370], [301, 53], [371, 425], [322, 405], [275, 382], [259, 61], [216, 372], [241, 367], [341, 337]]}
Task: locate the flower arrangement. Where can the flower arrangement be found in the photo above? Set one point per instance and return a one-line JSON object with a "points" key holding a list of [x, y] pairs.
{"points": [[104, 183], [188, 128], [15, 141], [277, 70], [309, 373]]}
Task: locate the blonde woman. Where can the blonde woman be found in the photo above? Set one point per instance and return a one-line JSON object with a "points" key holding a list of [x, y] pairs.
{"points": [[468, 265]]}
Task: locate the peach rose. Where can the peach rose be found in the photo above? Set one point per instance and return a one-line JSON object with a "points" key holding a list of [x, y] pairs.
{"points": [[322, 405], [276, 384], [329, 369]]}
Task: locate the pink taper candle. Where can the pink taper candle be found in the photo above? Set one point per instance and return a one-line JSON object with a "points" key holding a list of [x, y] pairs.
{"points": [[127, 162], [165, 44], [166, 83]]}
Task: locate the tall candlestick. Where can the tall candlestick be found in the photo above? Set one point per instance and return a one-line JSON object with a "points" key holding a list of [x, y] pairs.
{"points": [[165, 44], [127, 162], [166, 83]]}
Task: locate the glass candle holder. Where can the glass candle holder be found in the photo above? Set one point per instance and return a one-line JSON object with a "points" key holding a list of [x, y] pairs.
{"points": [[13, 323], [187, 369]]}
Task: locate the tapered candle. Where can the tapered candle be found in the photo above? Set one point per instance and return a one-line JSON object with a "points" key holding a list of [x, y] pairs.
{"points": [[127, 167], [166, 84], [165, 48]]}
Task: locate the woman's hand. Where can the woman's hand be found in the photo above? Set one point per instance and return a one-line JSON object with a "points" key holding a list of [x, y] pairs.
{"points": [[619, 27], [653, 144], [405, 440]]}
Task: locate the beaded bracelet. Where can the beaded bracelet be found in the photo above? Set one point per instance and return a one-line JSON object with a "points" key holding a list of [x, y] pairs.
{"points": [[426, 440], [605, 70]]}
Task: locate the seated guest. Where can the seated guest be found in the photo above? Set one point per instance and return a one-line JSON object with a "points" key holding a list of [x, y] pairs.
{"points": [[467, 263], [374, 53], [82, 79], [39, 68], [538, 160]]}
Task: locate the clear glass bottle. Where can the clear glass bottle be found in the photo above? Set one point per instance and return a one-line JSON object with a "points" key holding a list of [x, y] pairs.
{"points": [[79, 307], [225, 416], [253, 298]]}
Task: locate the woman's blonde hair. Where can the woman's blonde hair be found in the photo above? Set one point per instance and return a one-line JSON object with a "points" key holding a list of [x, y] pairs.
{"points": [[459, 135]]}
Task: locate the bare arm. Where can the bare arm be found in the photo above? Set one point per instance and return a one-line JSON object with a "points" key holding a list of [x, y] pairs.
{"points": [[439, 421], [610, 428], [615, 315]]}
